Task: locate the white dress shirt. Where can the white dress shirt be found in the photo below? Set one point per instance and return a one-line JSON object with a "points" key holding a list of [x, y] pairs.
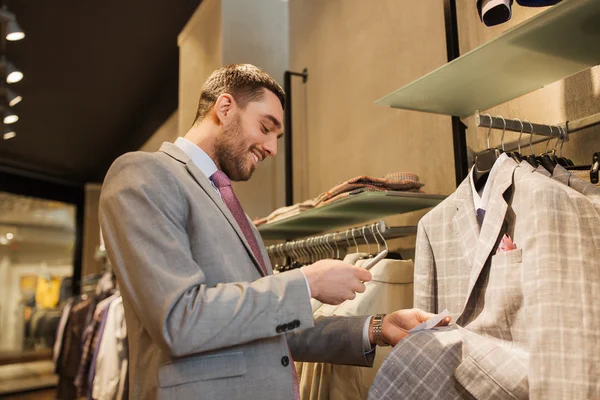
{"points": [[481, 202]]}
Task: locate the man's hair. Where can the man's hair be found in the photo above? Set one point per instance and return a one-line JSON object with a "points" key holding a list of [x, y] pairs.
{"points": [[242, 81]]}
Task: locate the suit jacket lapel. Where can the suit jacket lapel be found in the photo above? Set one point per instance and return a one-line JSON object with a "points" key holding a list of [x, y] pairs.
{"points": [[204, 183], [262, 248], [492, 223], [464, 221]]}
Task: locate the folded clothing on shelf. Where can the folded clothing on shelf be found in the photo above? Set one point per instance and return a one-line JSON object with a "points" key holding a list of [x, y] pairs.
{"points": [[398, 181], [285, 212]]}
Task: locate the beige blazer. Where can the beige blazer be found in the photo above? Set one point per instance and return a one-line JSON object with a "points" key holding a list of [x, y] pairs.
{"points": [[201, 320], [534, 310]]}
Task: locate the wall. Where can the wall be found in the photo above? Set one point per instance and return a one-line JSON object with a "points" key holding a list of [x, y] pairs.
{"points": [[167, 132], [357, 52], [200, 53], [572, 98]]}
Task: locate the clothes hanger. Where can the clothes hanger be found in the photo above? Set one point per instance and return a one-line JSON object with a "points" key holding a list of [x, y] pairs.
{"points": [[354, 240], [377, 227], [369, 255], [548, 162], [485, 160], [372, 228], [565, 162], [531, 158], [516, 155], [337, 249]]}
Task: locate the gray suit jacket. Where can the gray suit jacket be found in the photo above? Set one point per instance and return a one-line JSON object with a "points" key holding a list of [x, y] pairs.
{"points": [[202, 322], [528, 318]]}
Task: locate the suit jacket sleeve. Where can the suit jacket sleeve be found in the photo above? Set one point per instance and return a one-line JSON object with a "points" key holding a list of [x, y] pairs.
{"points": [[425, 273], [336, 340], [561, 271], [143, 220]]}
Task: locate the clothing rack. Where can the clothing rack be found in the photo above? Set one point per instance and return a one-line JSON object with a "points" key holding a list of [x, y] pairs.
{"points": [[375, 234], [548, 131]]}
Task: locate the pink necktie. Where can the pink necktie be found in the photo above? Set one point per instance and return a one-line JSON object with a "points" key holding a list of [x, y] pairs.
{"points": [[222, 182]]}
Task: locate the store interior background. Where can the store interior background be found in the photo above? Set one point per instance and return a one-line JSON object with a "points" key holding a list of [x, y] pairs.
{"points": [[355, 52]]}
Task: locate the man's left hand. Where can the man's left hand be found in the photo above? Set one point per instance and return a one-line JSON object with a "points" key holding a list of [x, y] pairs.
{"points": [[396, 325]]}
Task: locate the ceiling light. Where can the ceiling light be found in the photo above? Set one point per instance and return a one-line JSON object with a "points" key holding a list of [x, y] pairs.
{"points": [[13, 75], [3, 241], [13, 98], [14, 31], [9, 133], [10, 236], [10, 117]]}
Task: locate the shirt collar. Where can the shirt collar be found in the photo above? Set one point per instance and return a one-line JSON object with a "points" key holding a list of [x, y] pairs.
{"points": [[480, 202], [198, 156]]}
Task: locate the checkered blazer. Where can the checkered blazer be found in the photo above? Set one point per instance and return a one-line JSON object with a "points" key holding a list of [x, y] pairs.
{"points": [[528, 318]]}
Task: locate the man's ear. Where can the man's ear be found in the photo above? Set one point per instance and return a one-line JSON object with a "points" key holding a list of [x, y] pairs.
{"points": [[224, 107]]}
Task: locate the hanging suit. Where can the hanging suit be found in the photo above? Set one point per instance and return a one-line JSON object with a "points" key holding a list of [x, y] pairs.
{"points": [[527, 319]]}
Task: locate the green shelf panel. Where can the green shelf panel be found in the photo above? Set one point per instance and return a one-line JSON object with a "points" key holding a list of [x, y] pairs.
{"points": [[352, 210], [555, 44]]}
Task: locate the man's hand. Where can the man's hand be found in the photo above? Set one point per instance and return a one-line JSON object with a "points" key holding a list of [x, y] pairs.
{"points": [[333, 281], [396, 325]]}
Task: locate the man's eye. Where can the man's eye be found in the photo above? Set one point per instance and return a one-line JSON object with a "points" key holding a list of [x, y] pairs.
{"points": [[263, 128]]}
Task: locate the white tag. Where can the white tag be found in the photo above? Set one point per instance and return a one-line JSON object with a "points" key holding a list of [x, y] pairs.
{"points": [[431, 322]]}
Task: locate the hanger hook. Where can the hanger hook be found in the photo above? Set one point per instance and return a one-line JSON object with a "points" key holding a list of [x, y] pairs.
{"points": [[503, 130], [366, 240], [328, 245], [335, 243], [520, 135], [565, 136], [354, 240], [372, 228], [378, 226], [530, 137], [489, 130], [549, 140], [559, 139]]}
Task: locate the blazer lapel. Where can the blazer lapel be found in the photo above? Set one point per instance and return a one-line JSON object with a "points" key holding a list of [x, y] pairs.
{"points": [[204, 183], [262, 248], [464, 221], [492, 223]]}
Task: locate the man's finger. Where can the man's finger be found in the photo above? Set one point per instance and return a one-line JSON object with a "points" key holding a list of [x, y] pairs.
{"points": [[445, 321], [362, 274], [359, 288], [423, 316]]}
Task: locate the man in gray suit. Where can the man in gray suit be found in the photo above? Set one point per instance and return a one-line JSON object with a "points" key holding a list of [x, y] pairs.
{"points": [[205, 315]]}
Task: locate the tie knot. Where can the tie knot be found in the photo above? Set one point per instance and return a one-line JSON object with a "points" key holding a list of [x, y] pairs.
{"points": [[220, 179]]}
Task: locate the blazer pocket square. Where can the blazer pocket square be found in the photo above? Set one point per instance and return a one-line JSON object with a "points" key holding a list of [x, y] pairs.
{"points": [[506, 244]]}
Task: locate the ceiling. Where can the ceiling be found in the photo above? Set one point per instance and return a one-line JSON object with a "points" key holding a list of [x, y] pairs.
{"points": [[99, 79]]}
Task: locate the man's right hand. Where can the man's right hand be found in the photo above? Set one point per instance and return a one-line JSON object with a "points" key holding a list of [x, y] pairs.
{"points": [[333, 281]]}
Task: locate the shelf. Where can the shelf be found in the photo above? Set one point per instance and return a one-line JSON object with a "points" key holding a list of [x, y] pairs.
{"points": [[548, 47], [352, 210]]}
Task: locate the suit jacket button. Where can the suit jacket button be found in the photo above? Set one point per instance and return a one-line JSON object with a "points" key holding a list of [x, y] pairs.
{"points": [[297, 323], [285, 361], [291, 326]]}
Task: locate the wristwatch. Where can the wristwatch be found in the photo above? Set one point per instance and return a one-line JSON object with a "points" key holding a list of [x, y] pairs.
{"points": [[378, 330]]}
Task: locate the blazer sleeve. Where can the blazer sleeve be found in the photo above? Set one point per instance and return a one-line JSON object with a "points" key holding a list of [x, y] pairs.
{"points": [[425, 273], [561, 294], [336, 340], [143, 219]]}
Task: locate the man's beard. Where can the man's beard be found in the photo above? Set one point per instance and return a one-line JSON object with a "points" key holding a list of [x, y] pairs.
{"points": [[231, 152]]}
